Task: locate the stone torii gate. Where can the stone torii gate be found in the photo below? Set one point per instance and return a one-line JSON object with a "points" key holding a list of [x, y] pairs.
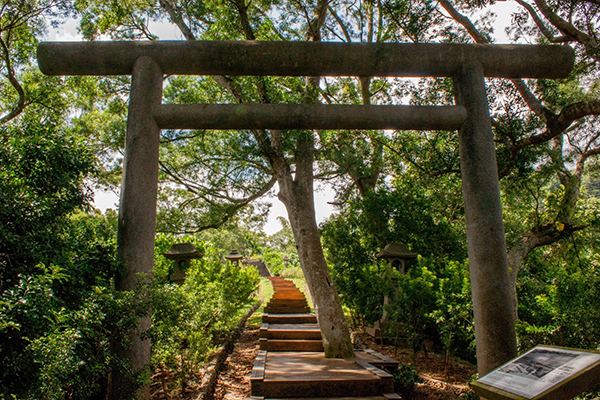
{"points": [[147, 62]]}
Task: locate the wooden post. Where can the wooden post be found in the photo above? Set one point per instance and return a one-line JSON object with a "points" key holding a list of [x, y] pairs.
{"points": [[137, 210], [490, 284]]}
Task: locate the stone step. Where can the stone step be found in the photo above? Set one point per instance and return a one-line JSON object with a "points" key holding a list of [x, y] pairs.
{"points": [[288, 298], [377, 359], [310, 374], [291, 300], [287, 303], [291, 345], [273, 318], [287, 291], [387, 396], [280, 294], [287, 310], [290, 331], [285, 284], [285, 306]]}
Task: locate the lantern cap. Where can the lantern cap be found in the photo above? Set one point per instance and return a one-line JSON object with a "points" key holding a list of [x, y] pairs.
{"points": [[234, 256], [396, 250], [182, 251]]}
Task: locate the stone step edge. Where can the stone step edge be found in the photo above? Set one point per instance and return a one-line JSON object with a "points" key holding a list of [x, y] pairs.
{"points": [[312, 318], [326, 388], [287, 345], [385, 396], [258, 370]]}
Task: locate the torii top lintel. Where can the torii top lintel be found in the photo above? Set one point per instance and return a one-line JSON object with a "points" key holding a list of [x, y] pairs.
{"points": [[305, 58]]}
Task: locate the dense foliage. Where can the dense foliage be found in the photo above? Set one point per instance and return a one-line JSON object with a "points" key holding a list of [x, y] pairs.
{"points": [[190, 320], [431, 302], [559, 295], [58, 311]]}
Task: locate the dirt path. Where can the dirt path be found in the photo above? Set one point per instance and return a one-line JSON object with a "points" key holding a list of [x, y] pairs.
{"points": [[234, 383]]}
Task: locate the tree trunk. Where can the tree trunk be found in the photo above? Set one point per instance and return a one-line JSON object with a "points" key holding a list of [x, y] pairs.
{"points": [[334, 327], [516, 254], [297, 193], [297, 196]]}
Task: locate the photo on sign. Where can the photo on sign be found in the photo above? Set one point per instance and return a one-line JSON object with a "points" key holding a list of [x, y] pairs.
{"points": [[537, 363]]}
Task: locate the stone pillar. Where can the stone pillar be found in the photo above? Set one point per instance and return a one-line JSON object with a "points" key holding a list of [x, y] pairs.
{"points": [[137, 210], [492, 302]]}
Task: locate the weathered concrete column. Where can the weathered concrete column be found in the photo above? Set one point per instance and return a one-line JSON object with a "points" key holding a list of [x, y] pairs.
{"points": [[137, 211], [492, 302]]}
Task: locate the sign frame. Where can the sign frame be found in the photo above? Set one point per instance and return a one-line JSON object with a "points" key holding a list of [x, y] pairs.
{"points": [[566, 384]]}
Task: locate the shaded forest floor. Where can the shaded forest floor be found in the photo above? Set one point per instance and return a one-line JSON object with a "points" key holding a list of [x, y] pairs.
{"points": [[234, 382], [431, 368]]}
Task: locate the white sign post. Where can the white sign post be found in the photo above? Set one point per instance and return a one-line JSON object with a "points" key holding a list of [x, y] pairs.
{"points": [[544, 372]]}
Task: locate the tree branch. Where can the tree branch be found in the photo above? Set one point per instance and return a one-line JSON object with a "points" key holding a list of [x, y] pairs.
{"points": [[10, 73], [538, 21], [568, 29], [532, 102], [557, 124], [231, 210], [315, 25], [341, 24], [415, 164], [244, 20], [177, 19], [585, 155], [464, 21]]}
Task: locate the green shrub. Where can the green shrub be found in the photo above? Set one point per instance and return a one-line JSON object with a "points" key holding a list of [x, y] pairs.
{"points": [[58, 323], [559, 306], [75, 356], [190, 320], [405, 379]]}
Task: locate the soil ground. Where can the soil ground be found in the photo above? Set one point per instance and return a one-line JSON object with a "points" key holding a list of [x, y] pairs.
{"points": [[234, 383], [433, 383]]}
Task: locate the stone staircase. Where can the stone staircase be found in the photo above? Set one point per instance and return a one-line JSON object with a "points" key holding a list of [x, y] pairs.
{"points": [[291, 362]]}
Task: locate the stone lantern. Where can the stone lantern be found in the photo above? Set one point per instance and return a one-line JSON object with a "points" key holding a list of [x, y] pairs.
{"points": [[234, 257], [397, 256], [286, 260], [181, 253]]}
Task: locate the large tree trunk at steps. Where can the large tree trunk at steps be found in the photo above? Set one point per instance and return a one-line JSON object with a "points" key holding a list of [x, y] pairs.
{"points": [[333, 323]]}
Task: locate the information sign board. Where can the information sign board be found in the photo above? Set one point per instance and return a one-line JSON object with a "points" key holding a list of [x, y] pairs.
{"points": [[543, 372]]}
